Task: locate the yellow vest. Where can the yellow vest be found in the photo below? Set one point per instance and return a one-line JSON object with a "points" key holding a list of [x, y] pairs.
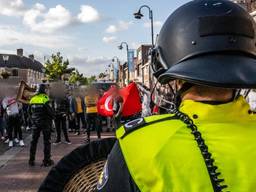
{"points": [[39, 99], [165, 157], [91, 104], [79, 107]]}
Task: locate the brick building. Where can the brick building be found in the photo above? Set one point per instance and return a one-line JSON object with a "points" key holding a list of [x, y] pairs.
{"points": [[20, 67], [142, 65], [141, 71]]}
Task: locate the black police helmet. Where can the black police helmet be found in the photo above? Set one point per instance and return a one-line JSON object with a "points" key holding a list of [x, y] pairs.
{"points": [[207, 42], [41, 88]]}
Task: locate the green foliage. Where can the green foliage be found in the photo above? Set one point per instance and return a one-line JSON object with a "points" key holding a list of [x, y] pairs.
{"points": [[78, 77], [55, 67], [92, 79]]}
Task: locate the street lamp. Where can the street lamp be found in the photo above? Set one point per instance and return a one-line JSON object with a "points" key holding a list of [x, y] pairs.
{"points": [[139, 15], [127, 50]]}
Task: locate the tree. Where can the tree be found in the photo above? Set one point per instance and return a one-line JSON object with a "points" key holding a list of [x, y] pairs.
{"points": [[55, 67], [78, 77], [92, 79]]}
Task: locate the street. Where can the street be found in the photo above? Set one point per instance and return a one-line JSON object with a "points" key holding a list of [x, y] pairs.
{"points": [[131, 96], [17, 176]]}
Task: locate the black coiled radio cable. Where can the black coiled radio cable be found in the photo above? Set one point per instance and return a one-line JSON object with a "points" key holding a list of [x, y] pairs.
{"points": [[217, 182]]}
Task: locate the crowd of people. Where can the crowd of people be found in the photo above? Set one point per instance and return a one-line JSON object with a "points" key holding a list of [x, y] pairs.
{"points": [[13, 121], [69, 111], [61, 110], [76, 112]]}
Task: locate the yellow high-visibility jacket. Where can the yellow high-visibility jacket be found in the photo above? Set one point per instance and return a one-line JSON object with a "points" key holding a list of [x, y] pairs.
{"points": [[164, 156]]}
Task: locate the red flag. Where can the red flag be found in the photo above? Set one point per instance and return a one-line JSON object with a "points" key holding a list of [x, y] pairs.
{"points": [[105, 104], [132, 102]]}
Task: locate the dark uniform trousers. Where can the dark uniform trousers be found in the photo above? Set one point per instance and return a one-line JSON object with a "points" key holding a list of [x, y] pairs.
{"points": [[60, 123], [93, 122], [46, 130]]}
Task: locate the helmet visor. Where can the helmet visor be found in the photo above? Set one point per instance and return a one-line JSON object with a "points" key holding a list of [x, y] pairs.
{"points": [[219, 70]]}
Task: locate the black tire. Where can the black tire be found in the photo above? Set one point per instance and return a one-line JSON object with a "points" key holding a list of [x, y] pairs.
{"points": [[69, 165]]}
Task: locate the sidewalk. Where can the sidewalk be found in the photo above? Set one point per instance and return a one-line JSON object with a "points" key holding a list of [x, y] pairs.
{"points": [[17, 176]]}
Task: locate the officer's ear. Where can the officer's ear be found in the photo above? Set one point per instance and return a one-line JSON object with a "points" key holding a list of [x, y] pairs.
{"points": [[176, 84]]}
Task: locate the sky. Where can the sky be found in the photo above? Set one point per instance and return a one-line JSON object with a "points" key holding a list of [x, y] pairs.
{"points": [[87, 32]]}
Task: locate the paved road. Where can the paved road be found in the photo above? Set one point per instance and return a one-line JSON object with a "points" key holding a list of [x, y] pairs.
{"points": [[17, 176]]}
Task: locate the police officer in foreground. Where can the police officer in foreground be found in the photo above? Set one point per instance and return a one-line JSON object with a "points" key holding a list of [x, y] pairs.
{"points": [[207, 143], [41, 116]]}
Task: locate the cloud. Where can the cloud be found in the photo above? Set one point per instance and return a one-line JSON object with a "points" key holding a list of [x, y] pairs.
{"points": [[12, 7], [90, 66], [54, 19], [7, 51], [156, 24], [40, 6], [40, 19], [9, 35], [109, 39], [121, 26], [88, 14]]}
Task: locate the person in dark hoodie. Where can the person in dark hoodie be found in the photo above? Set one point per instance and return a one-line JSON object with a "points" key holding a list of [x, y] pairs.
{"points": [[61, 107]]}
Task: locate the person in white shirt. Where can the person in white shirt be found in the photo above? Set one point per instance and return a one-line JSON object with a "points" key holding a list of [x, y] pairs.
{"points": [[251, 99], [10, 105], [146, 99]]}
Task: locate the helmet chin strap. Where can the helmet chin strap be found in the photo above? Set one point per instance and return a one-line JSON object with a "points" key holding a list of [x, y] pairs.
{"points": [[176, 99], [178, 95]]}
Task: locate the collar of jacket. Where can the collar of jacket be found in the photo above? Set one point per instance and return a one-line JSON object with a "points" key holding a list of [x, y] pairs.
{"points": [[238, 110]]}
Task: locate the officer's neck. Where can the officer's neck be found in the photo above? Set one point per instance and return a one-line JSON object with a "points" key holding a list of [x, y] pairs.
{"points": [[219, 96]]}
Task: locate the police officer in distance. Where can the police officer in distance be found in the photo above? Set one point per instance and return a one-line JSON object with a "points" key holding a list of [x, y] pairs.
{"points": [[41, 116], [207, 143]]}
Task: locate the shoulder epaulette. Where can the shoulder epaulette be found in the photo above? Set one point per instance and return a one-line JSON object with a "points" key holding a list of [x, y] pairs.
{"points": [[140, 123]]}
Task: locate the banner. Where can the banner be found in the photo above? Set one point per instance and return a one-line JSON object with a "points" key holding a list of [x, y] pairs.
{"points": [[116, 69], [131, 60]]}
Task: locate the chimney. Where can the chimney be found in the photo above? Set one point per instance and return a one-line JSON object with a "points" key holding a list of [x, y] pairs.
{"points": [[31, 57], [20, 52]]}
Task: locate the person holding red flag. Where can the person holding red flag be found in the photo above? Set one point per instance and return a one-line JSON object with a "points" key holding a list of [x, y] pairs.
{"points": [[122, 103], [117, 107]]}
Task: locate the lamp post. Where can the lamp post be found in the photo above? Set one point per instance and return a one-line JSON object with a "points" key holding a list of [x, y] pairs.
{"points": [[139, 15], [127, 50]]}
